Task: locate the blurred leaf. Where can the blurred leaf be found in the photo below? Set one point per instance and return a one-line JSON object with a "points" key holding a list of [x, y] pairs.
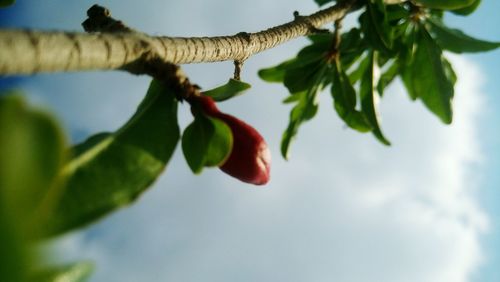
{"points": [[110, 171], [31, 153], [456, 41], [344, 97], [206, 141], [430, 79], [368, 100], [14, 260], [467, 10], [78, 272], [6, 3], [232, 88]]}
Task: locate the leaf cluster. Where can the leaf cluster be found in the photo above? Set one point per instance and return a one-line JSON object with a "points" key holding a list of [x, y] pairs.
{"points": [[404, 40]]}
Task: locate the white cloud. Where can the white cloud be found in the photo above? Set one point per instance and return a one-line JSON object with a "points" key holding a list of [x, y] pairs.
{"points": [[344, 208]]}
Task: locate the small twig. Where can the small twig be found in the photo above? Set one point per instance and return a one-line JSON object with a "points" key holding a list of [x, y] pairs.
{"points": [[100, 20], [237, 69], [310, 26], [334, 53]]}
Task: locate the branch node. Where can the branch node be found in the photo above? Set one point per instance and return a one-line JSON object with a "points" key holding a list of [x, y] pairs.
{"points": [[310, 26], [100, 20]]}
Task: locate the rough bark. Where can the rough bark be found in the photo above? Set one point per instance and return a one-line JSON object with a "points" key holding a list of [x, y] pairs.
{"points": [[28, 51]]}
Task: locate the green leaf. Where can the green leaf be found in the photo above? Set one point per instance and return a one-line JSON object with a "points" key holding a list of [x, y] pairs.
{"points": [[277, 73], [368, 100], [430, 79], [305, 109], [358, 72], [445, 4], [375, 26], [406, 57], [352, 47], [206, 141], [232, 88], [31, 154], [110, 171], [344, 97], [274, 74], [378, 19], [387, 77], [31, 144], [456, 41], [467, 10], [6, 3], [78, 272], [14, 261], [304, 77]]}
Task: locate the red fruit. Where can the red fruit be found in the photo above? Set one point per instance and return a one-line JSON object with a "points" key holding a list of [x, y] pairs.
{"points": [[250, 158]]}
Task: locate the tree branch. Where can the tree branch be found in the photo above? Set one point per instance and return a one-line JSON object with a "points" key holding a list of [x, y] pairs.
{"points": [[27, 51]]}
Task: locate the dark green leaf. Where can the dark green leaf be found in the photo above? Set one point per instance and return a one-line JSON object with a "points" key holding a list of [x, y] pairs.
{"points": [[307, 56], [305, 109], [276, 73], [429, 79], [78, 272], [445, 4], [6, 3], [456, 41], [395, 13], [352, 47], [378, 19], [344, 97], [206, 142], [387, 77], [14, 261], [115, 169], [467, 10], [232, 88], [302, 78], [375, 26], [368, 100]]}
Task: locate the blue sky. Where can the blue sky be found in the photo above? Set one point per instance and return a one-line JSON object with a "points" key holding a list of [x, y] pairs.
{"points": [[344, 208]]}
